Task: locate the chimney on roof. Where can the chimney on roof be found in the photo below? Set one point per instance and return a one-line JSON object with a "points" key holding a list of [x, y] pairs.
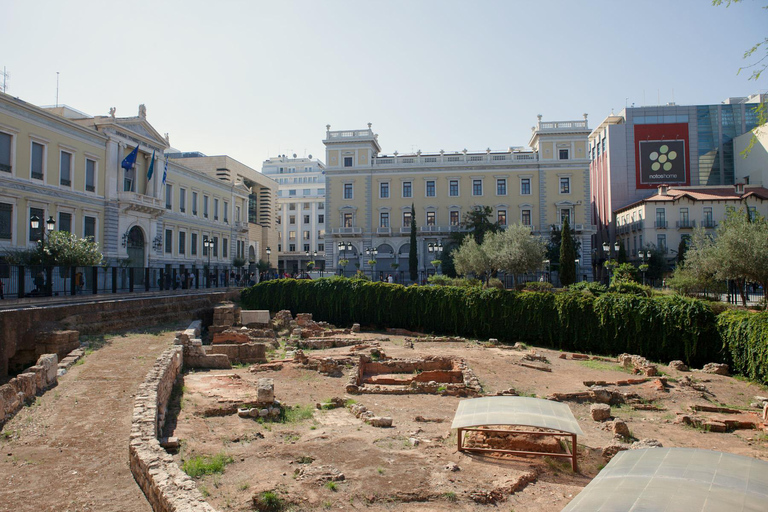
{"points": [[739, 188], [663, 190]]}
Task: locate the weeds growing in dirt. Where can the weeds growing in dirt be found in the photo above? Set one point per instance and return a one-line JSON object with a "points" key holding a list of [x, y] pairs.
{"points": [[206, 465], [332, 486], [268, 501]]}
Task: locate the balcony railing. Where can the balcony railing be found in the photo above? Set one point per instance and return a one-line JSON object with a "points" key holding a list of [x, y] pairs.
{"points": [[709, 223], [140, 203], [454, 159], [660, 224], [686, 224], [346, 231], [384, 231]]}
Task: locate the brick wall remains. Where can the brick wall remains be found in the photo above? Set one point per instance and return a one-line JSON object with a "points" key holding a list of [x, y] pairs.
{"points": [[24, 387]]}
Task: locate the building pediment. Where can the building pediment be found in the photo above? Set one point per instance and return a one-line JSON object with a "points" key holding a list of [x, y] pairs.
{"points": [[135, 129]]}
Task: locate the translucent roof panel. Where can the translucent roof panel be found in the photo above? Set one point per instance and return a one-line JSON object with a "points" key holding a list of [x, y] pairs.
{"points": [[515, 410], [672, 479]]}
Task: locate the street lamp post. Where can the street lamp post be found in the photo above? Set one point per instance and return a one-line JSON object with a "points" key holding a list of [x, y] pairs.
{"points": [[546, 263], [578, 269], [50, 225], [269, 263], [208, 244], [644, 266], [607, 251]]}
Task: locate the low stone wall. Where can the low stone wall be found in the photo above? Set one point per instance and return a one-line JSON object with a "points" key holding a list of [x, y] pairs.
{"points": [[166, 486], [28, 384]]}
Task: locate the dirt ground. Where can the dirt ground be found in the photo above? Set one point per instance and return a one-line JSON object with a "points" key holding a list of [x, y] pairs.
{"points": [[68, 451], [384, 469]]}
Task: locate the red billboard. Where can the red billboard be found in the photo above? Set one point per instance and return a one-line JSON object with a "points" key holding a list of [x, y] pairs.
{"points": [[661, 155]]}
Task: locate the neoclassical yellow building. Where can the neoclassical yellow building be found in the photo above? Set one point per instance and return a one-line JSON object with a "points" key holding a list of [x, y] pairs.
{"points": [[369, 194], [59, 163]]}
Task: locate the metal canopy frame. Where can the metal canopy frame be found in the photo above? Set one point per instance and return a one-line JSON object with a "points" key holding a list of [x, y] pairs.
{"points": [[555, 418]]}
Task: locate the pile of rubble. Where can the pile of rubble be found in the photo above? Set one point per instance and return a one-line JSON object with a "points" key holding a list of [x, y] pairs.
{"points": [[266, 405]]}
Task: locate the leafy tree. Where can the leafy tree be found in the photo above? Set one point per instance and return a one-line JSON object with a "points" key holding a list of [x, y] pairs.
{"points": [[515, 251], [413, 256], [59, 248], [473, 258], [624, 272], [622, 256], [447, 258], [262, 266], [567, 256], [238, 263], [478, 222], [740, 251], [681, 248]]}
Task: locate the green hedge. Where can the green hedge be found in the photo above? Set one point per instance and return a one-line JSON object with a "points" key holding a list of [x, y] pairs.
{"points": [[745, 337], [659, 328]]}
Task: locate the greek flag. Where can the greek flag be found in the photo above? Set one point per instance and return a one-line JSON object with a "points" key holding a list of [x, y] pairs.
{"points": [[165, 171]]}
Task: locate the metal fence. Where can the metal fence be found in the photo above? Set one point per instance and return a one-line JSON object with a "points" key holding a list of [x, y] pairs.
{"points": [[20, 281]]}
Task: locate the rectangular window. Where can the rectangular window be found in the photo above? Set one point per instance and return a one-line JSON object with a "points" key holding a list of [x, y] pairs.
{"points": [[477, 187], [38, 153], [6, 221], [306, 191], [182, 200], [347, 191], [306, 247], [193, 244], [182, 242], [384, 190], [661, 243], [684, 222], [291, 247], [501, 217], [65, 169], [407, 189], [384, 219], [90, 175], [5, 152], [565, 185], [453, 188], [430, 218], [501, 187], [525, 217], [525, 187], [168, 196], [347, 161], [565, 213], [306, 206], [205, 206], [661, 218], [36, 234], [321, 206], [454, 216], [291, 219], [347, 220], [292, 206], [65, 222], [225, 248], [215, 209], [215, 247], [406, 219], [194, 203], [321, 219], [292, 192], [89, 228], [306, 219], [430, 188], [752, 210], [306, 235], [563, 154], [709, 221], [320, 247], [168, 241]]}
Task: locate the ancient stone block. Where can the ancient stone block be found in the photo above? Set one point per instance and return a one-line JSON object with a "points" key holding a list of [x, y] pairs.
{"points": [[600, 412], [50, 362], [678, 365], [620, 429], [229, 338], [27, 384], [265, 391], [716, 368], [380, 421], [355, 327]]}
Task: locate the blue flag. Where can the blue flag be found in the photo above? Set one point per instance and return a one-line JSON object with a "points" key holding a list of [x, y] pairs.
{"points": [[130, 160], [165, 171], [151, 166]]}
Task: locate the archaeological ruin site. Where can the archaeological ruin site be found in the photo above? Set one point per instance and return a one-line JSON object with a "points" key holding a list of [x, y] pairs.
{"points": [[257, 410]]}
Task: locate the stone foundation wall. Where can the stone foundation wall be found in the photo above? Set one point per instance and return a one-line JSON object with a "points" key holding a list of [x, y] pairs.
{"points": [[19, 328], [166, 486], [28, 384]]}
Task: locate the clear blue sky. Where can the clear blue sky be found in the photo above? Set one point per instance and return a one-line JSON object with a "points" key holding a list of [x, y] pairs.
{"points": [[253, 79]]}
